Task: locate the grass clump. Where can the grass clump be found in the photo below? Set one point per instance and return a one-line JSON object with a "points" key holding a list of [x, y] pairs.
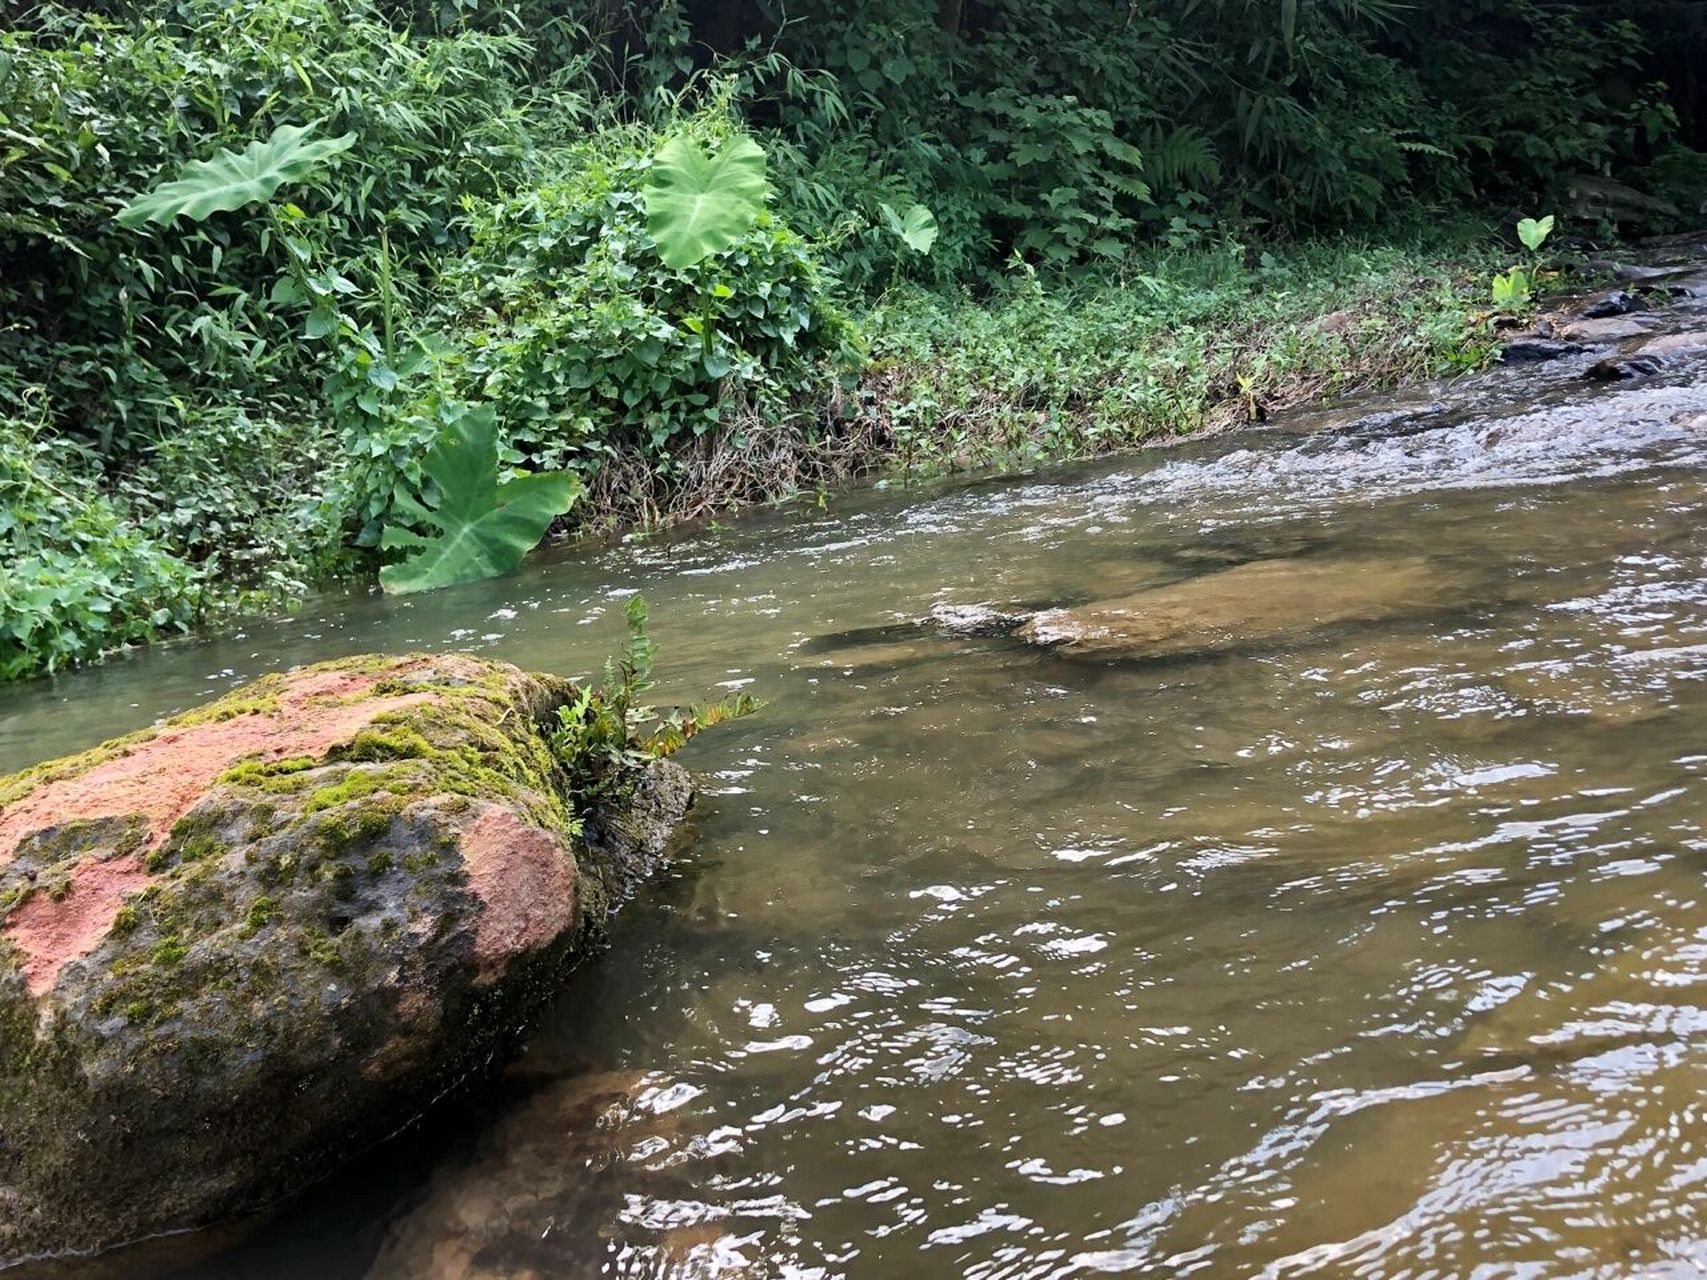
{"points": [[1039, 371]]}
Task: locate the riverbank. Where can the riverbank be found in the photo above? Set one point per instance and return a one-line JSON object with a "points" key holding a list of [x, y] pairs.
{"points": [[1034, 370], [255, 260], [1041, 371]]}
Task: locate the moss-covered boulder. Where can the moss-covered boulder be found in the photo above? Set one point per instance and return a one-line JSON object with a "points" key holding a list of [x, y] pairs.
{"points": [[240, 946]]}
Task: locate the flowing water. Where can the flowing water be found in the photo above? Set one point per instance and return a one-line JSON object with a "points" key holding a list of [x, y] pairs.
{"points": [[1374, 950]]}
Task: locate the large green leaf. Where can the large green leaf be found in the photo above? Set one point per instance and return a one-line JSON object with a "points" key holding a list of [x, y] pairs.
{"points": [[487, 527], [916, 228], [698, 205], [1534, 234], [232, 179]]}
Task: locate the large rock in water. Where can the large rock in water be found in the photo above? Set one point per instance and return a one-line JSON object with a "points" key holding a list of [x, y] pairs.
{"points": [[239, 947], [1260, 603]]}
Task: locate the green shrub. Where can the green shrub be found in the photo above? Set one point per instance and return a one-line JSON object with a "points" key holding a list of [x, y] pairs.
{"points": [[79, 578], [609, 731], [114, 321], [237, 489], [567, 319], [170, 379]]}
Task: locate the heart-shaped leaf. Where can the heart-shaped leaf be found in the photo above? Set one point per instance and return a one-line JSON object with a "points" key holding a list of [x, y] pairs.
{"points": [[1534, 233], [232, 179], [487, 527], [698, 205], [917, 227]]}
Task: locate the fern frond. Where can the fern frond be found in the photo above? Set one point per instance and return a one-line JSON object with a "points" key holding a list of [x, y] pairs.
{"points": [[1183, 158]]}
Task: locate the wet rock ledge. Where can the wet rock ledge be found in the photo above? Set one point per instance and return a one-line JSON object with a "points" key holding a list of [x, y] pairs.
{"points": [[239, 947]]}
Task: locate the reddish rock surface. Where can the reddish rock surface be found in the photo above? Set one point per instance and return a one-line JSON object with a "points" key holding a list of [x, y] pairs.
{"points": [[243, 945], [160, 777], [49, 931], [157, 781], [525, 877]]}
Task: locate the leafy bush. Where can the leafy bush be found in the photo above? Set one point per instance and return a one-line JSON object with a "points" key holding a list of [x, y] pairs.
{"points": [[238, 492], [167, 369], [79, 579], [589, 345], [114, 321], [1068, 130], [1540, 92]]}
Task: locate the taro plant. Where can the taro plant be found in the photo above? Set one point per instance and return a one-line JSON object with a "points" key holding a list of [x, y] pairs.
{"points": [[698, 205], [1511, 289], [1514, 288], [917, 228], [485, 525], [1533, 232], [609, 731], [231, 180]]}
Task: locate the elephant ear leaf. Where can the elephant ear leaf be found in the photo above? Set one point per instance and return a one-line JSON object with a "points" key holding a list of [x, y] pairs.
{"points": [[485, 527], [698, 205], [1534, 233], [232, 179], [916, 228]]}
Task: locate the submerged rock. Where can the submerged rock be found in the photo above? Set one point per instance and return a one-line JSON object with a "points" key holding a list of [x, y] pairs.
{"points": [[1624, 368], [239, 947], [1533, 349], [1256, 603], [976, 619], [1603, 330], [1613, 302], [1649, 357], [536, 1187]]}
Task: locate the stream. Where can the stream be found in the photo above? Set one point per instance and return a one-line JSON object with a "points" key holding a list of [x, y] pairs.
{"points": [[1372, 950]]}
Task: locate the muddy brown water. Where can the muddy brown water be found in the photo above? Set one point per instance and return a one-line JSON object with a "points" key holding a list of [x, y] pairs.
{"points": [[1372, 950]]}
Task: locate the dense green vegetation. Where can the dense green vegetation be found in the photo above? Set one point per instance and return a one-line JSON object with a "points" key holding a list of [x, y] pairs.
{"points": [[986, 231]]}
